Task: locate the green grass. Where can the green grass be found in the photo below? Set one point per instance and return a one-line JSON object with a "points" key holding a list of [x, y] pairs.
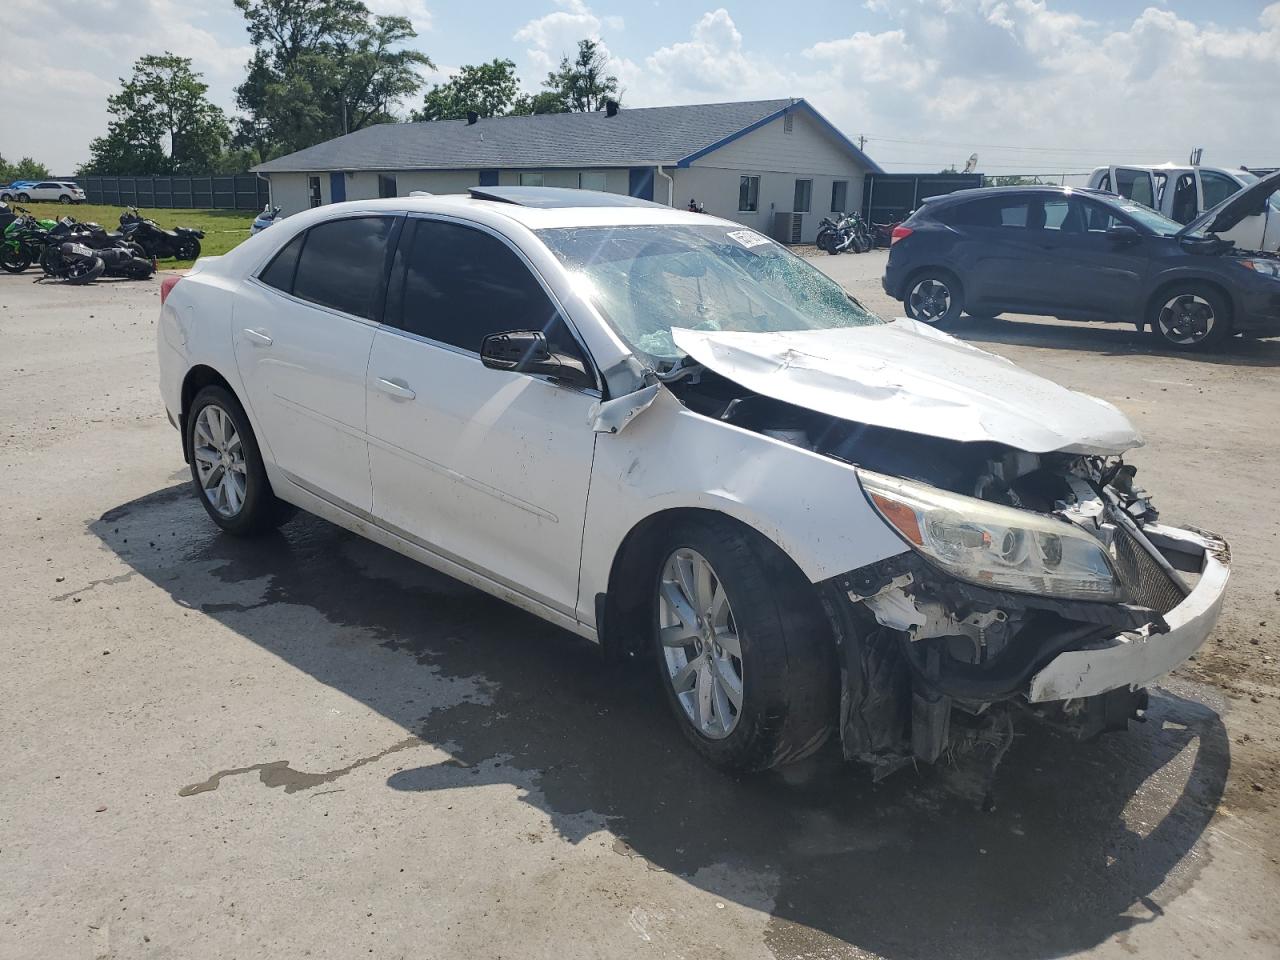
{"points": [[223, 229]]}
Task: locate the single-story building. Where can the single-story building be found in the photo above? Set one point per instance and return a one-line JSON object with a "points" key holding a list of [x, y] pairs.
{"points": [[776, 165]]}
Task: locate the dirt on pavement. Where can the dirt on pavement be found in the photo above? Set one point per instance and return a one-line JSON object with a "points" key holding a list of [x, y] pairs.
{"points": [[307, 745]]}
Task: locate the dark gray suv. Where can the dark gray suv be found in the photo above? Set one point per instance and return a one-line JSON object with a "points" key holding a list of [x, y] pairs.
{"points": [[1083, 254]]}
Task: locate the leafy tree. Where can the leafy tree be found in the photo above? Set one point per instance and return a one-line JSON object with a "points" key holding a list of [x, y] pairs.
{"points": [[548, 101], [322, 68], [163, 105], [24, 169], [584, 83], [490, 89]]}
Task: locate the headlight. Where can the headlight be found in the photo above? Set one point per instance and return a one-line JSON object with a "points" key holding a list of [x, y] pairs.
{"points": [[1268, 268], [994, 546]]}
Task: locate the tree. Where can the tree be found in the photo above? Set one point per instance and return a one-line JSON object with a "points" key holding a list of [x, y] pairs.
{"points": [[489, 89], [583, 83], [163, 122], [548, 101], [24, 169], [321, 68]]}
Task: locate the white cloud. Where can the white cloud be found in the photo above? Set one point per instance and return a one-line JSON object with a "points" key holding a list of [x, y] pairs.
{"points": [[557, 33], [415, 11], [712, 64]]}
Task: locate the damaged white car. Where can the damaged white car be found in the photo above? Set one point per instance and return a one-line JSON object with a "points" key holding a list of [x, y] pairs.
{"points": [[668, 434]]}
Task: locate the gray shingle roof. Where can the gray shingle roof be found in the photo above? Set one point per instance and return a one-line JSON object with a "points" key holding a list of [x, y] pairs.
{"points": [[634, 137]]}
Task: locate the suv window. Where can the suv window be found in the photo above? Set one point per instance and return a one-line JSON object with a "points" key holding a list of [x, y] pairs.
{"points": [[343, 265], [1216, 188], [460, 284], [989, 212]]}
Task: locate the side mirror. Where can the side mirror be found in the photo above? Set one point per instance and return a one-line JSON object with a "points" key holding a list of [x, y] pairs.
{"points": [[1122, 234], [526, 351]]}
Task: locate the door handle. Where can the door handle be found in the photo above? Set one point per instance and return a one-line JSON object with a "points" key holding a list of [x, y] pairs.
{"points": [[400, 391], [258, 337]]}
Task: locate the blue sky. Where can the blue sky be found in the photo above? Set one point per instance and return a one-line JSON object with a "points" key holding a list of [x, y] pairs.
{"points": [[1028, 85]]}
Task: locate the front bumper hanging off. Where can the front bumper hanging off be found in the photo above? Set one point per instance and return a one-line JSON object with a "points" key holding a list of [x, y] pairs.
{"points": [[1135, 658]]}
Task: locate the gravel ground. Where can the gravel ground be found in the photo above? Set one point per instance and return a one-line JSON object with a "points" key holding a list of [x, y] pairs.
{"points": [[308, 746]]}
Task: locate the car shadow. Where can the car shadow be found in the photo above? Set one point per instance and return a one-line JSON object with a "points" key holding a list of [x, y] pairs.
{"points": [[1085, 841], [1110, 339]]}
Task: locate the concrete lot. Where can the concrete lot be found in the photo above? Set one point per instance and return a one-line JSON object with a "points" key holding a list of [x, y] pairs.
{"points": [[308, 746]]}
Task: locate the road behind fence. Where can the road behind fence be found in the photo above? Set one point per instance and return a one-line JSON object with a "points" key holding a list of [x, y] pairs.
{"points": [[241, 191]]}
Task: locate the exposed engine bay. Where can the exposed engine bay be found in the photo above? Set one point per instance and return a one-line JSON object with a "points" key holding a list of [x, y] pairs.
{"points": [[933, 664]]}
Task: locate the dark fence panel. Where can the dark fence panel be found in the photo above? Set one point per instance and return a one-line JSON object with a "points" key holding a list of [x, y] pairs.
{"points": [[241, 191], [889, 197]]}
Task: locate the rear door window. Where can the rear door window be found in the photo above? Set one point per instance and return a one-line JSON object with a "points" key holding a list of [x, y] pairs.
{"points": [[343, 265], [280, 270], [990, 212]]}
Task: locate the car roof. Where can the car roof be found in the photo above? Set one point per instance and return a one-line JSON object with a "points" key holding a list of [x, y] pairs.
{"points": [[591, 212], [976, 193]]}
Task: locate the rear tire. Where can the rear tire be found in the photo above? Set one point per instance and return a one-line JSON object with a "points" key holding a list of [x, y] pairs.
{"points": [[188, 249], [64, 199], [783, 672], [245, 509], [934, 297], [85, 272], [12, 262], [23, 198], [1190, 316]]}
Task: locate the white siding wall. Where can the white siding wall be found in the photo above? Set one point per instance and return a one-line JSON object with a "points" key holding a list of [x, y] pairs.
{"points": [[778, 159], [289, 190]]}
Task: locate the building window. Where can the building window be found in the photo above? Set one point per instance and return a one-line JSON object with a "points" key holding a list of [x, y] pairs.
{"points": [[530, 179], [386, 185], [839, 196], [748, 194], [591, 180], [313, 190], [803, 196]]}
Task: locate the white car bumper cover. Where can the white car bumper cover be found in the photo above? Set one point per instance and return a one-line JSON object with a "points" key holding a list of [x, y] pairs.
{"points": [[1133, 659]]}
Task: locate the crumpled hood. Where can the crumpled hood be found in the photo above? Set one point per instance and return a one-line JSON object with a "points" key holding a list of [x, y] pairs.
{"points": [[908, 376]]}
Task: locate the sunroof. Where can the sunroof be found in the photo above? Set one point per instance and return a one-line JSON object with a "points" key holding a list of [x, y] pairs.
{"points": [[550, 197]]}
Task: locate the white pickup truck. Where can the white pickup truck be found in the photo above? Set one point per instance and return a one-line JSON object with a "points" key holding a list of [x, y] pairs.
{"points": [[1183, 193]]}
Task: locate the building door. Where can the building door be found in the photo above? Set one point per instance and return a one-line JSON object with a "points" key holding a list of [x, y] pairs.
{"points": [[641, 183], [337, 187], [488, 178]]}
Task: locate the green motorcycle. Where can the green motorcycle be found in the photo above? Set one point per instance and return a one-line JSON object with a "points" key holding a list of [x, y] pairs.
{"points": [[24, 239]]}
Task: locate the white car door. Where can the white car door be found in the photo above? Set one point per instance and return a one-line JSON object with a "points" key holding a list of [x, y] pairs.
{"points": [[303, 329], [45, 191], [1216, 187], [1134, 184], [487, 468]]}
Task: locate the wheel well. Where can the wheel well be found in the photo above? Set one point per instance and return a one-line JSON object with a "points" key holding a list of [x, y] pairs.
{"points": [[198, 377], [1164, 288], [621, 615]]}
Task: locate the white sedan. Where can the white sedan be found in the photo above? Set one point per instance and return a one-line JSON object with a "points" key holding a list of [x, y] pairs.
{"points": [[666, 433]]}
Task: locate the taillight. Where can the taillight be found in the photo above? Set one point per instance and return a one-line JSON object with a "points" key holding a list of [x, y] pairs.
{"points": [[900, 233], [167, 284]]}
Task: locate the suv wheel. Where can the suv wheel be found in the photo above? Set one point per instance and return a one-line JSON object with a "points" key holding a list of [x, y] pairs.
{"points": [[226, 466], [63, 198], [744, 653], [1190, 317], [24, 198], [935, 298]]}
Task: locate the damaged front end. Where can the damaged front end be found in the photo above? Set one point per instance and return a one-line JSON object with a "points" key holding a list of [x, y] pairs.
{"points": [[1079, 598]]}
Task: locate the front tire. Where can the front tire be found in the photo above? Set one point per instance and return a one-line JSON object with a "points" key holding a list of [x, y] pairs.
{"points": [[226, 466], [188, 249], [1190, 316], [744, 653], [24, 198], [85, 271], [64, 199], [934, 297]]}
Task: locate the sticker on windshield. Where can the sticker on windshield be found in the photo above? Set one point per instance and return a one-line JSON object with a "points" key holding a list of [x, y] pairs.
{"points": [[748, 238]]}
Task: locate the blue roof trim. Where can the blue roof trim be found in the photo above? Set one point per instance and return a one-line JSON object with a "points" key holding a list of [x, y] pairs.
{"points": [[826, 124]]}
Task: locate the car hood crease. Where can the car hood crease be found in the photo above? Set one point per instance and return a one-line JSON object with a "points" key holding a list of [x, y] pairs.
{"points": [[907, 376]]}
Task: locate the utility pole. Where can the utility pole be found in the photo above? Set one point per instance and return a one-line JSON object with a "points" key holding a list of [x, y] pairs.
{"points": [[862, 141]]}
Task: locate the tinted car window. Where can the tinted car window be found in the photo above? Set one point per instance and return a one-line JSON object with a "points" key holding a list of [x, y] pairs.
{"points": [[343, 265], [460, 284], [1216, 188], [989, 212], [279, 272]]}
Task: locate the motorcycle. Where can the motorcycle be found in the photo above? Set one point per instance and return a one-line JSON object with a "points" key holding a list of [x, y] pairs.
{"points": [[846, 232], [67, 243], [180, 243], [266, 218], [829, 234], [24, 239], [882, 233]]}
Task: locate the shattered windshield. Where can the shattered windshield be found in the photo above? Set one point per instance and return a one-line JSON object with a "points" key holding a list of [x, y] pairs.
{"points": [[647, 279]]}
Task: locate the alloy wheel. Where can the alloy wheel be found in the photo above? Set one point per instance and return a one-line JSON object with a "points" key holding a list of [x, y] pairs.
{"points": [[700, 643], [219, 459], [1186, 319], [929, 300]]}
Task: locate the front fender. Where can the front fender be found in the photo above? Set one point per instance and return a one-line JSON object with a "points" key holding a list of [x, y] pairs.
{"points": [[670, 458]]}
